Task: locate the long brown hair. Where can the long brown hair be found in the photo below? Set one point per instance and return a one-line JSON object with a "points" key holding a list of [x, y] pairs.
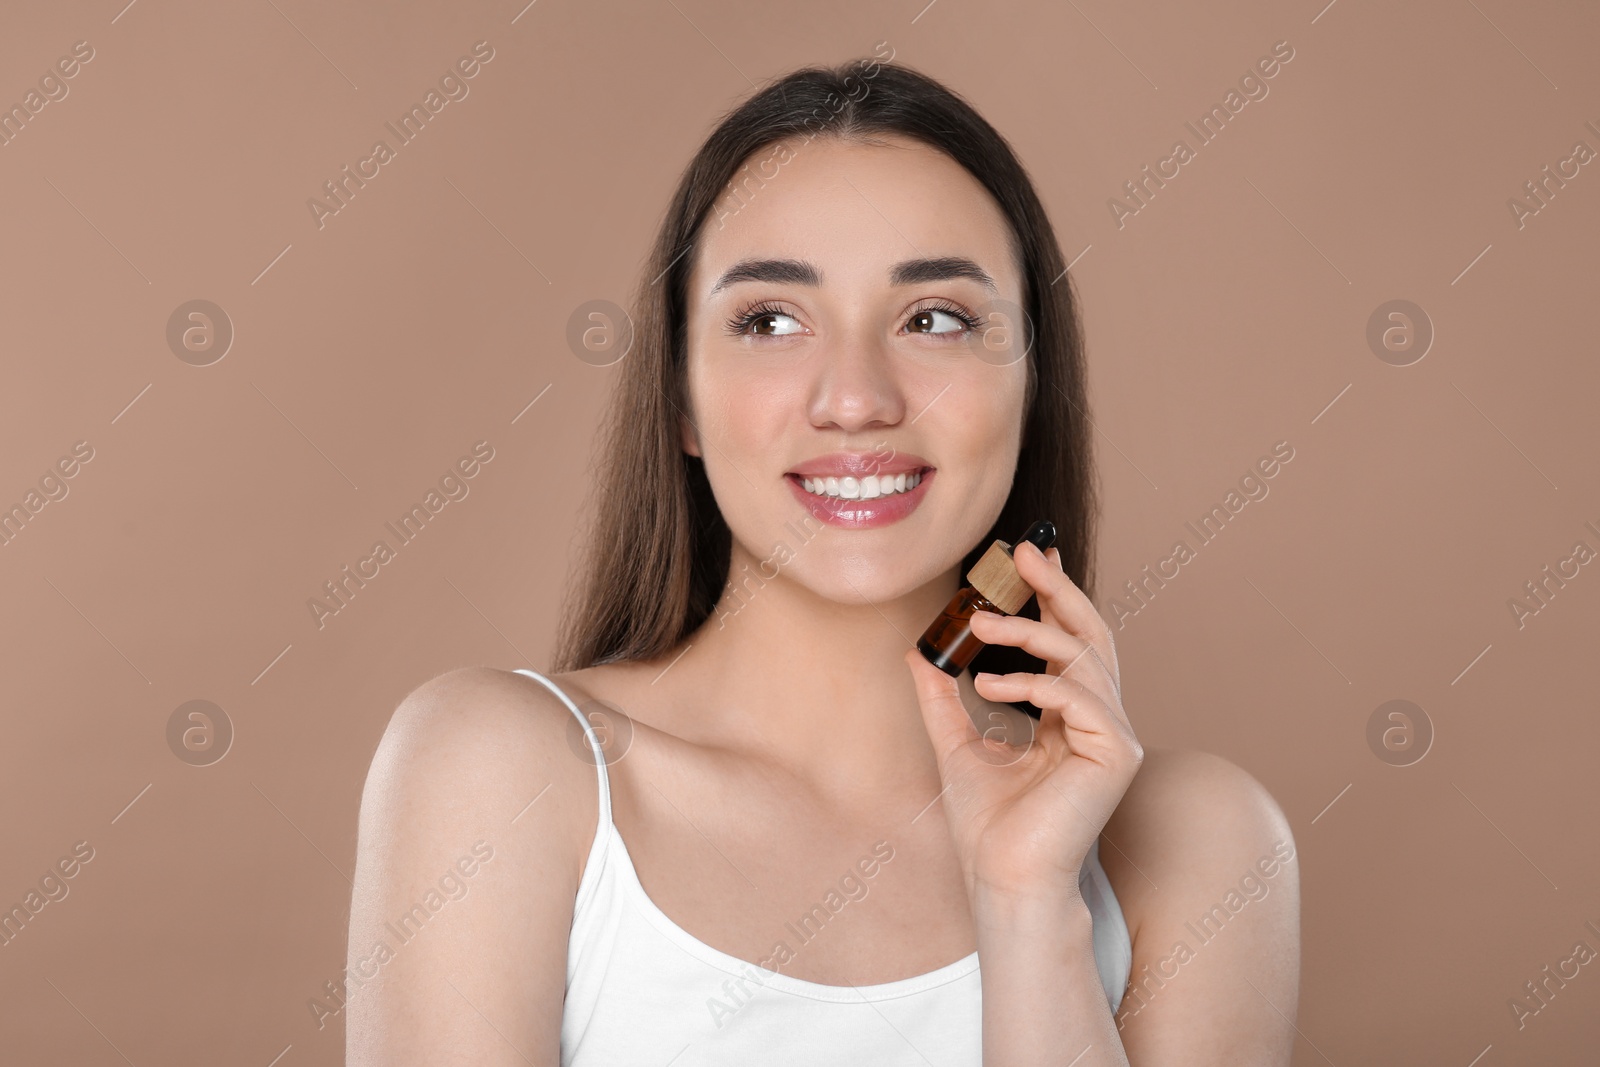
{"points": [[658, 549]]}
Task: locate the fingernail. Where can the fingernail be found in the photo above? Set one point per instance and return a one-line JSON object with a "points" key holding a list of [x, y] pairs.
{"points": [[987, 614]]}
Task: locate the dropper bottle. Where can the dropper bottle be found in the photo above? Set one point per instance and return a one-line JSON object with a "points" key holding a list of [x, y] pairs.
{"points": [[993, 584]]}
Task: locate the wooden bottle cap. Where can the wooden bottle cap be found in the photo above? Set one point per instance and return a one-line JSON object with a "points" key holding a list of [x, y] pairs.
{"points": [[995, 576]]}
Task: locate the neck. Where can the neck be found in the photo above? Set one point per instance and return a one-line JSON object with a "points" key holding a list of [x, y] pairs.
{"points": [[816, 687]]}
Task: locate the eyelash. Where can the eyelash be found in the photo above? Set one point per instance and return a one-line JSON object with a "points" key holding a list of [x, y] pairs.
{"points": [[741, 322]]}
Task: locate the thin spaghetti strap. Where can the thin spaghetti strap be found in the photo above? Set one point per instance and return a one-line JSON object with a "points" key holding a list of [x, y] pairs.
{"points": [[595, 749], [1113, 947]]}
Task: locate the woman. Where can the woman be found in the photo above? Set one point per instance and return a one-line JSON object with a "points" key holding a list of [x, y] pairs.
{"points": [[788, 837]]}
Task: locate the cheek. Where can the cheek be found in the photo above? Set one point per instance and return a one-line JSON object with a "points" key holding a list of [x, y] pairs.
{"points": [[985, 421], [749, 417], [979, 437]]}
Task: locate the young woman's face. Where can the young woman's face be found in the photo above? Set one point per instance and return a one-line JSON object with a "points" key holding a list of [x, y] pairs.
{"points": [[826, 338]]}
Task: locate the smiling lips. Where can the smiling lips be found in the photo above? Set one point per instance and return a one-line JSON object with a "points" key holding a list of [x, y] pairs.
{"points": [[865, 488], [861, 490]]}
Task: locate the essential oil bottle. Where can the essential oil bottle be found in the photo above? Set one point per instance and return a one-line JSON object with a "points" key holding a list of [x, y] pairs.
{"points": [[993, 584]]}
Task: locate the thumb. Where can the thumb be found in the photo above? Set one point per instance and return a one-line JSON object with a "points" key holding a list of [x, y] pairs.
{"points": [[943, 714]]}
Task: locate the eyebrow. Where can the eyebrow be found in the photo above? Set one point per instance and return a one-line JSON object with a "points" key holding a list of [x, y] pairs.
{"points": [[802, 272]]}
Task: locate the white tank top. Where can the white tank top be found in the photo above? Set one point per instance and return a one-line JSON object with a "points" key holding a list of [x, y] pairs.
{"points": [[642, 990]]}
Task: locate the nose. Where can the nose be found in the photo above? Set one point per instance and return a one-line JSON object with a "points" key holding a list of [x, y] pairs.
{"points": [[857, 388]]}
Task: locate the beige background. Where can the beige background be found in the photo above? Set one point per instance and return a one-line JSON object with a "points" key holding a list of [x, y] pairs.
{"points": [[370, 354]]}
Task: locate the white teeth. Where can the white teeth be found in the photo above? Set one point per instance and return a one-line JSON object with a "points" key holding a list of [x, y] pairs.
{"points": [[867, 488]]}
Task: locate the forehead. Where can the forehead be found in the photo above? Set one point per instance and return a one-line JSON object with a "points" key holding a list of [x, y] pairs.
{"points": [[853, 211]]}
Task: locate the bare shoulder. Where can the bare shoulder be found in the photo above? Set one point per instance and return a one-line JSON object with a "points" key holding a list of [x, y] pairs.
{"points": [[475, 821], [466, 700], [1189, 815], [1203, 863], [479, 744], [477, 737]]}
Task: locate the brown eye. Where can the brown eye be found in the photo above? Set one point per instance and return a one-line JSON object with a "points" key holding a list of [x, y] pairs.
{"points": [[741, 324], [929, 318]]}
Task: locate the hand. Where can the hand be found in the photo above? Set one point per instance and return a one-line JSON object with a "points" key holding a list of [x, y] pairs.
{"points": [[1024, 819]]}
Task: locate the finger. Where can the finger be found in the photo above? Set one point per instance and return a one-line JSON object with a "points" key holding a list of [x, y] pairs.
{"points": [[1110, 661], [1061, 599], [1063, 650], [943, 714], [1092, 729], [1065, 653]]}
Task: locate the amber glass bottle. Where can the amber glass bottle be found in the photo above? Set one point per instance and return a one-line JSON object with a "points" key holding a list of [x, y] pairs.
{"points": [[993, 584]]}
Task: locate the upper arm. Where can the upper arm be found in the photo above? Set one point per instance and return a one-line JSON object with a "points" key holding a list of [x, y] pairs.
{"points": [[1205, 857], [459, 916]]}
